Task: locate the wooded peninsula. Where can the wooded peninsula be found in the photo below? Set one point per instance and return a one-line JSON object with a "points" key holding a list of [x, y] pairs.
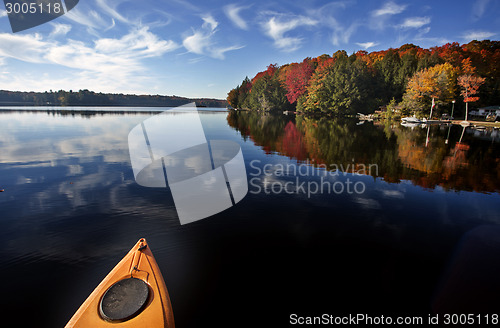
{"points": [[405, 80], [90, 98]]}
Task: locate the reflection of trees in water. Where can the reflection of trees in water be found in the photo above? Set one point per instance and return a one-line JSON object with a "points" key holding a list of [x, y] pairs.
{"points": [[400, 153], [263, 128], [81, 112], [292, 143]]}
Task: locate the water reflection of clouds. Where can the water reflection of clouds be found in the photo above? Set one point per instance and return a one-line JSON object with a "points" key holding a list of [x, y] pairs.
{"points": [[40, 138], [45, 151], [393, 194], [367, 203], [58, 167]]}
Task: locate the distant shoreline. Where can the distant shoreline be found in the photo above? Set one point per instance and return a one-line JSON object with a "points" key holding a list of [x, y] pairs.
{"points": [[95, 110], [86, 98]]}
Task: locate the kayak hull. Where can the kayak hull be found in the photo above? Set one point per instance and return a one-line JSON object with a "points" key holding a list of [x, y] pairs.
{"points": [[155, 309]]}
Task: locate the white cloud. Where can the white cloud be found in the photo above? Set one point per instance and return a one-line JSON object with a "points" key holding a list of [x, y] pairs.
{"points": [[478, 8], [90, 19], [198, 42], [343, 35], [389, 8], [138, 43], [28, 48], [432, 42], [107, 64], [110, 8], [3, 13], [201, 41], [415, 22], [379, 18], [210, 22], [233, 13], [219, 52], [367, 45], [113, 24], [277, 27], [477, 35], [60, 29], [325, 16], [424, 31]]}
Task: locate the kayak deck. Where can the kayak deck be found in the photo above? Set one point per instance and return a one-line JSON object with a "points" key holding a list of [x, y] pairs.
{"points": [[133, 294]]}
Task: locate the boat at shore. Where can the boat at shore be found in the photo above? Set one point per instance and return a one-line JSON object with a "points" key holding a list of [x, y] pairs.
{"points": [[365, 117], [133, 294], [412, 124], [411, 119], [430, 121]]}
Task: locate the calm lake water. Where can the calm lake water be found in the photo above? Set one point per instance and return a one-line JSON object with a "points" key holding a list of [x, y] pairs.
{"points": [[340, 218]]}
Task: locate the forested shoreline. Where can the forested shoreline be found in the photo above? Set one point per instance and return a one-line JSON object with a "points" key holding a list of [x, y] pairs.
{"points": [[406, 80], [90, 98]]}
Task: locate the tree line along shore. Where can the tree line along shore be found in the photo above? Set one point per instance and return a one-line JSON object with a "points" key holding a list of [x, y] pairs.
{"points": [[408, 80], [90, 98]]}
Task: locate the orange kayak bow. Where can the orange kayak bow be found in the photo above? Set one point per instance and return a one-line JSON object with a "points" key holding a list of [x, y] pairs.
{"points": [[133, 294]]}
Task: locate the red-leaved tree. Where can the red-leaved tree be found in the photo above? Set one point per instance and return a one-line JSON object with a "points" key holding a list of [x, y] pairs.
{"points": [[470, 84], [297, 80]]}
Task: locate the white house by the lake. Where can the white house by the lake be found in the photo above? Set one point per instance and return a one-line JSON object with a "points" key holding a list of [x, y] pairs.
{"points": [[486, 111]]}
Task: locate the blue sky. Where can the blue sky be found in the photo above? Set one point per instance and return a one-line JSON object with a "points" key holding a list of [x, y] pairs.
{"points": [[204, 48]]}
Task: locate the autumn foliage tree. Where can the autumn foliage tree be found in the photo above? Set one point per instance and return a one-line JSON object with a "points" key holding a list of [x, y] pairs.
{"points": [[232, 97], [437, 82], [267, 93], [297, 80], [412, 76], [339, 86], [469, 84]]}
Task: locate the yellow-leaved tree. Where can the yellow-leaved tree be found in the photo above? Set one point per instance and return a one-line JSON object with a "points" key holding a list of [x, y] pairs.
{"points": [[438, 82]]}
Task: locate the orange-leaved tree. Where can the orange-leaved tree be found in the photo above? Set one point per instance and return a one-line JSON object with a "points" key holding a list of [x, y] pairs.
{"points": [[470, 84], [437, 82]]}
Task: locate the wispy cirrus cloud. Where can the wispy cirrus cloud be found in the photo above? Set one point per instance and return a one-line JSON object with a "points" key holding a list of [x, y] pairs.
{"points": [[60, 29], [477, 35], [109, 64], [389, 8], [479, 8], [367, 45], [343, 34], [233, 13], [415, 22], [276, 26], [379, 18], [99, 19], [210, 22], [15, 45], [201, 41], [327, 16], [90, 19], [428, 41], [110, 7], [138, 43]]}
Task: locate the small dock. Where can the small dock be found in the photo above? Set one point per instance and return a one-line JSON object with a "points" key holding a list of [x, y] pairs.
{"points": [[478, 123]]}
